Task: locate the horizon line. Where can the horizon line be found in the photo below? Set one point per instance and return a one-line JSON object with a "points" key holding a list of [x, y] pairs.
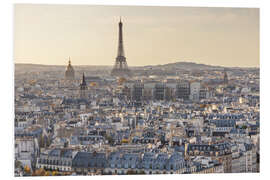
{"points": [[217, 66]]}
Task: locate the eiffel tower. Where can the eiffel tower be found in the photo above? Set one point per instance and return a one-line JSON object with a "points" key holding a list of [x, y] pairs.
{"points": [[120, 68]]}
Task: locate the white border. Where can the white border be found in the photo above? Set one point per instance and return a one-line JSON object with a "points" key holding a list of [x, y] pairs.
{"points": [[202, 3], [7, 85]]}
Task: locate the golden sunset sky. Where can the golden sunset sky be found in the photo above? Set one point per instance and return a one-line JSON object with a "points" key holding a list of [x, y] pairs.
{"points": [[49, 34]]}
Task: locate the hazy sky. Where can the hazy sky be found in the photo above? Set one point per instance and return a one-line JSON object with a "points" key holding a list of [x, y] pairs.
{"points": [[49, 34]]}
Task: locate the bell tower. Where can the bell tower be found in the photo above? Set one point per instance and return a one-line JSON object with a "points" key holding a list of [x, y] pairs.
{"points": [[83, 87]]}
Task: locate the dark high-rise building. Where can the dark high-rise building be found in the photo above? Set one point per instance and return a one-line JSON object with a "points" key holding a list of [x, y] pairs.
{"points": [[137, 92], [183, 90], [120, 68], [70, 73], [83, 87], [159, 91]]}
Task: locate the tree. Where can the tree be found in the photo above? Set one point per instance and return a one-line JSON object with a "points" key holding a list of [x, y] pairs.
{"points": [[39, 172], [47, 173], [55, 173], [27, 169], [142, 172], [18, 164], [131, 172], [125, 141], [109, 139]]}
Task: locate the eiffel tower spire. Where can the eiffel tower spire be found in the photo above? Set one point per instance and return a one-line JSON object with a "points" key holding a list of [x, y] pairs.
{"points": [[120, 68], [120, 51]]}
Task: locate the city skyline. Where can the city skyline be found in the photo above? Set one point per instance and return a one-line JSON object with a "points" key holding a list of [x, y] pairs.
{"points": [[98, 24], [139, 66], [190, 104]]}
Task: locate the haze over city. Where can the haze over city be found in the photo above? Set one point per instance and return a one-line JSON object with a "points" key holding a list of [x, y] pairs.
{"points": [[49, 34]]}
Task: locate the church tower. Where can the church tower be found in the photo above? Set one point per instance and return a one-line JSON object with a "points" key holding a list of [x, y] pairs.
{"points": [[83, 88]]}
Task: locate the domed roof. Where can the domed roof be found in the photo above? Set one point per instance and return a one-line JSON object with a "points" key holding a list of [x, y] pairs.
{"points": [[70, 73]]}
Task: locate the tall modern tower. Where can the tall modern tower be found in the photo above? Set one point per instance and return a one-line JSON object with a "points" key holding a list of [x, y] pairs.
{"points": [[120, 68]]}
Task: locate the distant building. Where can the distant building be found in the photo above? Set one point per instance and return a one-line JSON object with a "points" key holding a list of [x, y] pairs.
{"points": [[70, 73], [147, 163], [183, 90], [159, 91], [137, 91], [56, 159], [83, 87], [26, 150], [165, 91], [204, 93], [85, 162], [225, 78], [195, 90], [220, 152]]}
